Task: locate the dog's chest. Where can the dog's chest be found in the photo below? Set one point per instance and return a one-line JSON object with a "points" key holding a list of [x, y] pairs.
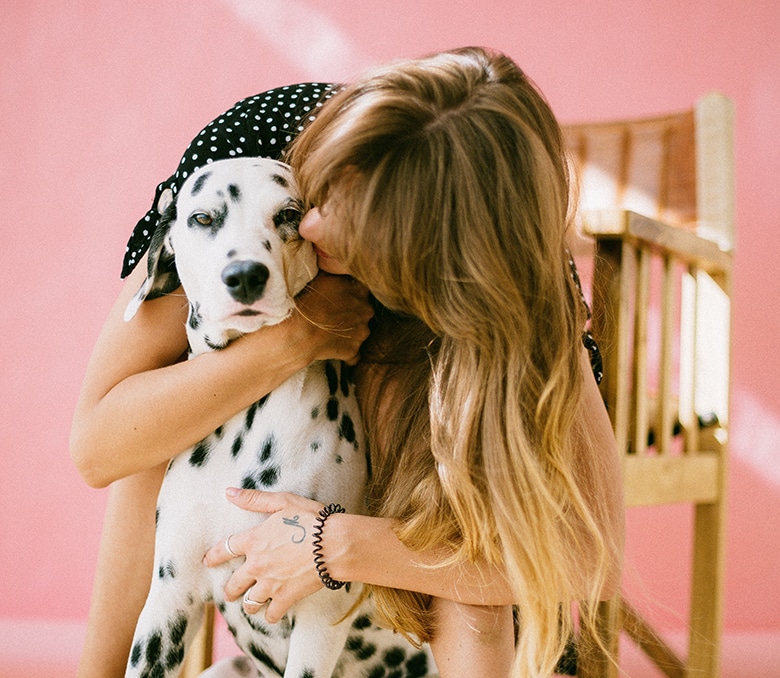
{"points": [[304, 437]]}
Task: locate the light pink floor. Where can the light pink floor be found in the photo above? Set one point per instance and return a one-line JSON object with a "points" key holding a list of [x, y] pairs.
{"points": [[753, 654]]}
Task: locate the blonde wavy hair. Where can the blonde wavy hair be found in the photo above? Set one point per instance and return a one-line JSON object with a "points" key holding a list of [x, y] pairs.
{"points": [[449, 180]]}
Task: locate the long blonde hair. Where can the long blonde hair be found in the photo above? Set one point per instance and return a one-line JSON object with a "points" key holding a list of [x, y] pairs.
{"points": [[449, 179]]}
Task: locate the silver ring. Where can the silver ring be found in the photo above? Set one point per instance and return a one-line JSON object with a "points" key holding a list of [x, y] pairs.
{"points": [[249, 601], [228, 549]]}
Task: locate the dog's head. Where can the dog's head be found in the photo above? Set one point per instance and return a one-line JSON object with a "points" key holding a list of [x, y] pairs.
{"points": [[230, 238]]}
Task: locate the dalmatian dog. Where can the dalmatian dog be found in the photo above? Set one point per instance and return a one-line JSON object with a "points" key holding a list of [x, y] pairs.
{"points": [[230, 238]]}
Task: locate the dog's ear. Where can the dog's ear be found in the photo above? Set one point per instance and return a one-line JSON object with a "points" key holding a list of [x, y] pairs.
{"points": [[161, 276]]}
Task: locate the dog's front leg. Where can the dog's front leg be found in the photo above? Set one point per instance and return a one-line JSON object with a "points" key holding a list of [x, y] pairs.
{"points": [[322, 624], [164, 631]]}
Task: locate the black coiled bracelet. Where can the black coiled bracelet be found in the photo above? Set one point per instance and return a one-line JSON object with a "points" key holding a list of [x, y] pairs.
{"points": [[327, 580]]}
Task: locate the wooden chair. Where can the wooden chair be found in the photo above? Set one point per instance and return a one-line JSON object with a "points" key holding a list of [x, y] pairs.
{"points": [[656, 198]]}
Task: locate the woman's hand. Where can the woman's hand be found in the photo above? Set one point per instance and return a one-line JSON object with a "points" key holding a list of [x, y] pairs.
{"points": [[338, 310], [279, 566]]}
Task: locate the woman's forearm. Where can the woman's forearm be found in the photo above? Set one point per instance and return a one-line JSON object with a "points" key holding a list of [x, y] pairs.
{"points": [[366, 549], [153, 415]]}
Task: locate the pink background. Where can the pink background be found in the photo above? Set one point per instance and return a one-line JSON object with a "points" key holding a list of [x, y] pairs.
{"points": [[99, 98]]}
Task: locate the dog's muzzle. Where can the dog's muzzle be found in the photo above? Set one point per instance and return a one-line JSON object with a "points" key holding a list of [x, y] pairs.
{"points": [[245, 280]]}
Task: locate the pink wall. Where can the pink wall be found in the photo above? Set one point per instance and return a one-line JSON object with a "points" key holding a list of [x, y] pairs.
{"points": [[100, 97]]}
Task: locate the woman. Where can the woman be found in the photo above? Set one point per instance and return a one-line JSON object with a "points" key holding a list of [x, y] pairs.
{"points": [[442, 185]]}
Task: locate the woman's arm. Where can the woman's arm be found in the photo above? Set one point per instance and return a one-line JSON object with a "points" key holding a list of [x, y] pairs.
{"points": [[123, 574], [355, 548], [474, 641], [141, 404], [366, 549], [600, 479]]}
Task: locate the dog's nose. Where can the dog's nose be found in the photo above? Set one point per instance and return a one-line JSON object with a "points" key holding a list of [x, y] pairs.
{"points": [[245, 280]]}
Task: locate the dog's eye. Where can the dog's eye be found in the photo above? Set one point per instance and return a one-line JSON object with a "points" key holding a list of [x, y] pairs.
{"points": [[202, 218], [289, 215]]}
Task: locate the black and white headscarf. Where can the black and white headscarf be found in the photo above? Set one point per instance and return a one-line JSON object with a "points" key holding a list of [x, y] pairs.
{"points": [[259, 126]]}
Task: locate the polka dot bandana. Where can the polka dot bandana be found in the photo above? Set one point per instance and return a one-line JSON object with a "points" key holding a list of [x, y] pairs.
{"points": [[258, 126]]}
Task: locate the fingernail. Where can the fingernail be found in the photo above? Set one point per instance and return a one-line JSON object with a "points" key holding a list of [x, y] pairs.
{"points": [[232, 491]]}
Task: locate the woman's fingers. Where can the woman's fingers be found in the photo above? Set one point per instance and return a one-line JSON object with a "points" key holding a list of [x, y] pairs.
{"points": [[277, 553], [236, 545]]}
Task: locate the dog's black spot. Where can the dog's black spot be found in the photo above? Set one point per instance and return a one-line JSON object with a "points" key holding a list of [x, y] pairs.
{"points": [[332, 376], [361, 622], [347, 429], [135, 654], [394, 656], [154, 647], [219, 431], [234, 192], [249, 418], [200, 453], [253, 410], [236, 447], [307, 673], [267, 245], [264, 658], [241, 666], [279, 179], [332, 409], [167, 570], [315, 412], [248, 483], [346, 379], [268, 448], [177, 627], [417, 665], [200, 182], [254, 623], [157, 517], [360, 648], [174, 657], [195, 318], [314, 445], [377, 672], [270, 476], [156, 670]]}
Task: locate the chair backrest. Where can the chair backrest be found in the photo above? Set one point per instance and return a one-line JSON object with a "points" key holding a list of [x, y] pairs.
{"points": [[658, 193], [674, 168]]}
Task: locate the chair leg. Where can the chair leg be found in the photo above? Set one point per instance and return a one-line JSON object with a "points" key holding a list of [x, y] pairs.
{"points": [[199, 656], [592, 660], [707, 594], [650, 643]]}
